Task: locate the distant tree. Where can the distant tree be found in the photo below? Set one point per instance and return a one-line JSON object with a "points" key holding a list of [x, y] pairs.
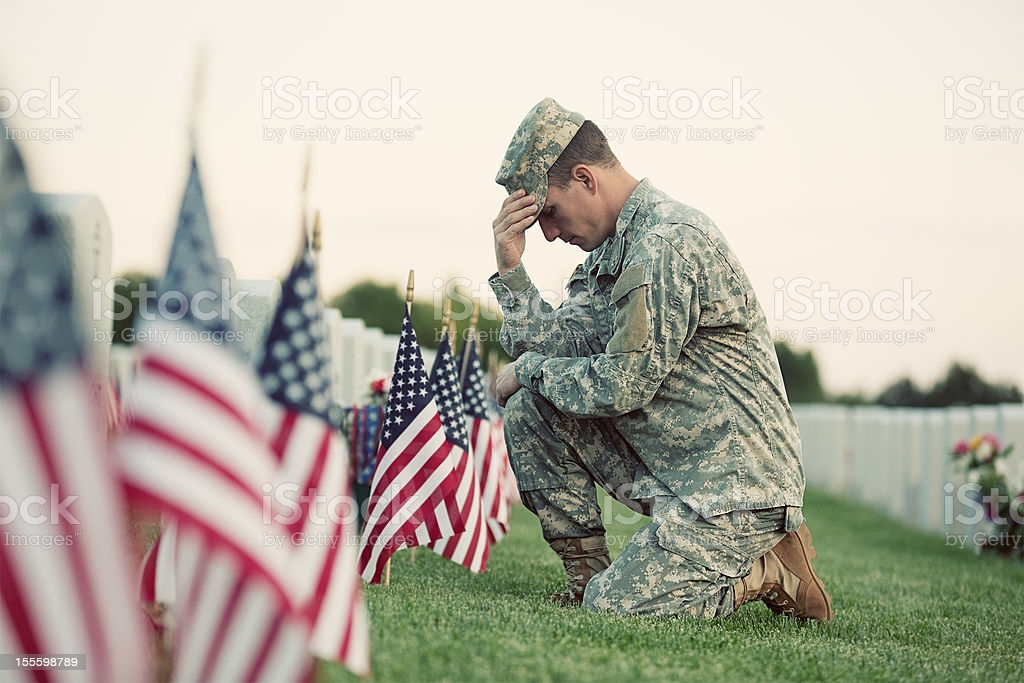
{"points": [[902, 393], [800, 375], [963, 386], [382, 305], [856, 398], [128, 313], [376, 304]]}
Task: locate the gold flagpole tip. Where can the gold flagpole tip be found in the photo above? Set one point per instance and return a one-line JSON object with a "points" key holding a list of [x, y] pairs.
{"points": [[476, 315], [410, 287]]}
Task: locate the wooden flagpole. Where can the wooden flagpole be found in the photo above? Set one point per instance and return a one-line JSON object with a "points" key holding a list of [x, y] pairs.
{"points": [[316, 245], [470, 338], [306, 172], [198, 86]]}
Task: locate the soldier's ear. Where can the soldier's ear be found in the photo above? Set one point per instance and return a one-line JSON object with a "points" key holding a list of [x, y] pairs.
{"points": [[585, 175]]}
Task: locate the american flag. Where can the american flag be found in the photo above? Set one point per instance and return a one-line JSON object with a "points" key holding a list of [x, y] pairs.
{"points": [[365, 440], [64, 579], [115, 412], [491, 462], [301, 425], [412, 499], [156, 575], [196, 452], [470, 548]]}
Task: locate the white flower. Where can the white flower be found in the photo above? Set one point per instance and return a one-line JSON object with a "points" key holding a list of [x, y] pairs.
{"points": [[1003, 469], [984, 451], [1012, 471]]}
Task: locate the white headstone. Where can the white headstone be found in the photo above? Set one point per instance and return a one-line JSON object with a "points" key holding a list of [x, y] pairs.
{"points": [[259, 304], [332, 333], [353, 365], [84, 224], [388, 351], [373, 337]]}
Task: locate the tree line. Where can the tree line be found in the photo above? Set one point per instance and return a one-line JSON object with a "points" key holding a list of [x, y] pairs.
{"points": [[381, 305]]}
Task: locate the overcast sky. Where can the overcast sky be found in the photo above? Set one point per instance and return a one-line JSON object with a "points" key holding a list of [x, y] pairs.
{"points": [[849, 178]]}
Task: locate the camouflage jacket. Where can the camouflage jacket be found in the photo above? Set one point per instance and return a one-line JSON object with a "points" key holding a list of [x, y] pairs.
{"points": [[661, 331]]}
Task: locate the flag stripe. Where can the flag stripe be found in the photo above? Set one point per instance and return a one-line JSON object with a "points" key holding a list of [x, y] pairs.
{"points": [[179, 447], [14, 610], [82, 571], [156, 366], [221, 632]]}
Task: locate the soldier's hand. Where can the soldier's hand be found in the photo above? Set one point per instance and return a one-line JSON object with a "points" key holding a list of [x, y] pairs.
{"points": [[516, 215], [506, 384]]}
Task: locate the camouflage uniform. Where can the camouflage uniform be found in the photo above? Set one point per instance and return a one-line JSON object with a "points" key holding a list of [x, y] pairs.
{"points": [[657, 379]]}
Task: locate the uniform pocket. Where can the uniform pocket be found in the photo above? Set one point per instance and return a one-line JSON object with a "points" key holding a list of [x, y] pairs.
{"points": [[728, 544], [633, 321]]}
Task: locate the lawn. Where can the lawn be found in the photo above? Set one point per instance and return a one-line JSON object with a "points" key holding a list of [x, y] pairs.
{"points": [[906, 607]]}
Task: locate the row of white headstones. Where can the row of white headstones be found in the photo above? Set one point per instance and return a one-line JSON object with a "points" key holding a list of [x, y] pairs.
{"points": [[358, 353]]}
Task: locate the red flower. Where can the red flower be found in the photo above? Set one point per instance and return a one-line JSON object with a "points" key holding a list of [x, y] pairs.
{"points": [[993, 441]]}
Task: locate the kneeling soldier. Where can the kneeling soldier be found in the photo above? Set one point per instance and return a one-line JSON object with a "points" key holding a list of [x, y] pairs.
{"points": [[656, 379]]}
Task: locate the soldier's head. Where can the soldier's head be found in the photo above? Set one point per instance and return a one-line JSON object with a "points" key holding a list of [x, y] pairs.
{"points": [[566, 163]]}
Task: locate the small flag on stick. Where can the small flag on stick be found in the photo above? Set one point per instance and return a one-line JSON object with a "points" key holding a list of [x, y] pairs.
{"points": [[470, 548], [67, 590], [491, 462], [412, 498], [300, 424], [195, 451]]}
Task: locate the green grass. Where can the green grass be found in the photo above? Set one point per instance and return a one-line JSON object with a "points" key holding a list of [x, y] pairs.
{"points": [[906, 607]]}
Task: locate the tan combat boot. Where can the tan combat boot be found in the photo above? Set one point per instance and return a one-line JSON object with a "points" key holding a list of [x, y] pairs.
{"points": [[583, 559], [785, 580]]}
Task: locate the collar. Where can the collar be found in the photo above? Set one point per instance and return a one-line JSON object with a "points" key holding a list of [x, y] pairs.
{"points": [[609, 256]]}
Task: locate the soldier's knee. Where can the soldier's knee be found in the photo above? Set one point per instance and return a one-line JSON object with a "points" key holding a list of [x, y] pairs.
{"points": [[597, 596]]}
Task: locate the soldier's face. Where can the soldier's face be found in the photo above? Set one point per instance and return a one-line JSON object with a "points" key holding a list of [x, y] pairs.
{"points": [[573, 215]]}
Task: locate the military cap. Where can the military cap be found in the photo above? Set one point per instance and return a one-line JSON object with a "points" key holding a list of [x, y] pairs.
{"points": [[541, 138]]}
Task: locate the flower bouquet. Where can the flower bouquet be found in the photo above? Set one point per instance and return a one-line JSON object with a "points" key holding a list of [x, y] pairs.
{"points": [[999, 492]]}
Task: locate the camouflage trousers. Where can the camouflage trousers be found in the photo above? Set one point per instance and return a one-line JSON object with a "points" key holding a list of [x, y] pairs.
{"points": [[680, 563]]}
